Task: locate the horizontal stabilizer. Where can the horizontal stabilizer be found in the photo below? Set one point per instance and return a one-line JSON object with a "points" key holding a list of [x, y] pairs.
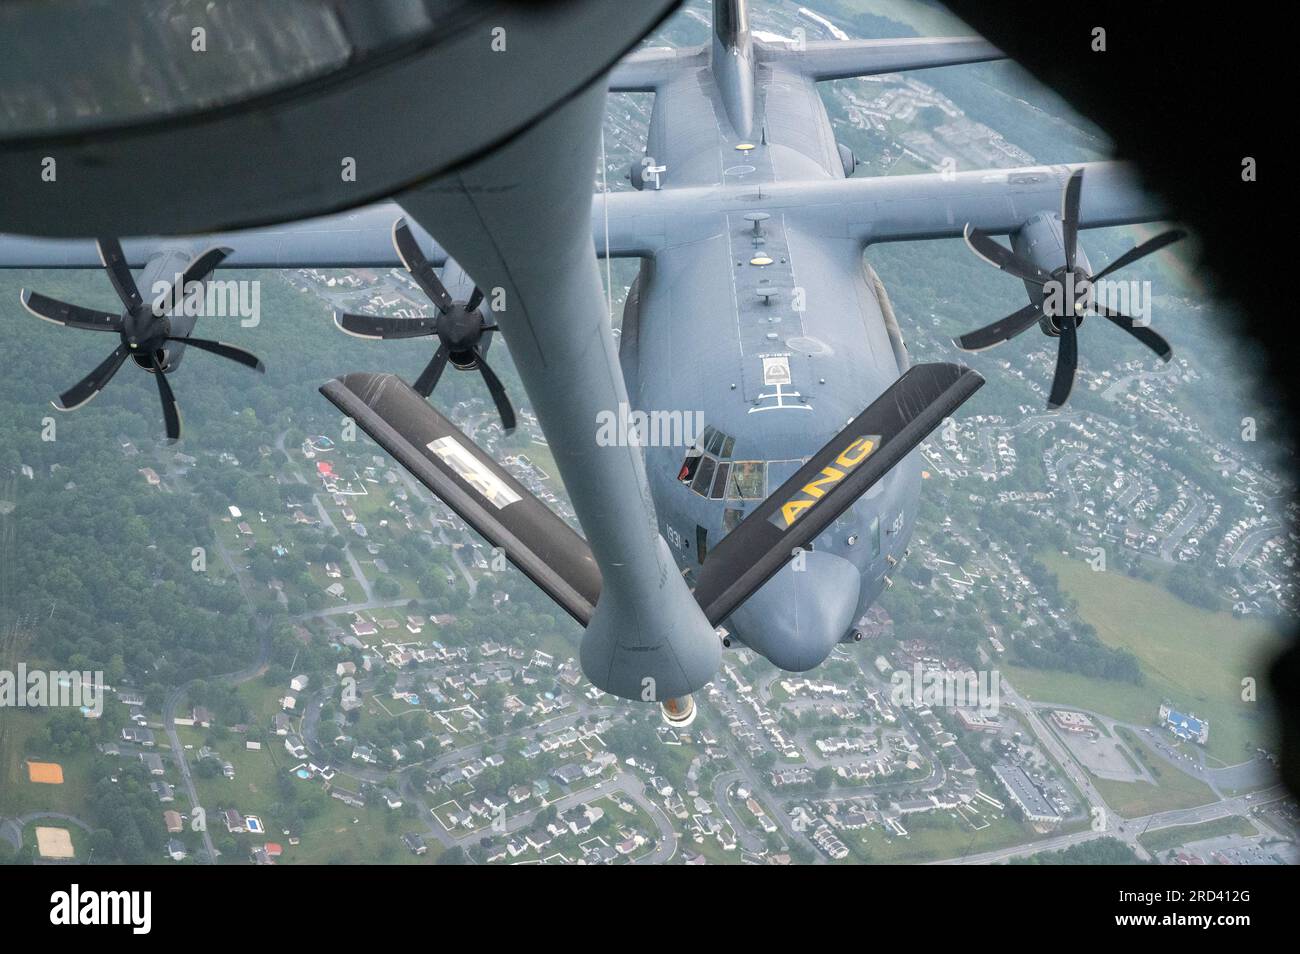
{"points": [[478, 489], [801, 508], [823, 60], [646, 70]]}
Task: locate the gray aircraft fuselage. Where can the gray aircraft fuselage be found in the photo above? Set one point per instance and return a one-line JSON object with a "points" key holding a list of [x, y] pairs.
{"points": [[778, 378]]}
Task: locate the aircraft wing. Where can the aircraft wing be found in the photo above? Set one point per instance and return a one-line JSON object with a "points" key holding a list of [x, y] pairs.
{"points": [[362, 238], [867, 210], [880, 209], [839, 59], [358, 239]]}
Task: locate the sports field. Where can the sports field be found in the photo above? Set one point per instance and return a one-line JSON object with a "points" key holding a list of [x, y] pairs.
{"points": [[54, 843], [45, 773]]}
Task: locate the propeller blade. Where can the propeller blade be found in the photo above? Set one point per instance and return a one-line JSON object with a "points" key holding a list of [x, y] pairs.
{"points": [[1070, 217], [432, 372], [1067, 360], [1000, 331], [93, 383], [375, 327], [73, 316], [475, 299], [498, 393], [421, 269], [999, 256], [1154, 244], [119, 273], [171, 412], [1151, 339], [246, 358]]}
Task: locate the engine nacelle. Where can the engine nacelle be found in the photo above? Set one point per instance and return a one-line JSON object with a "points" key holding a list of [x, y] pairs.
{"points": [[1041, 241], [848, 160]]}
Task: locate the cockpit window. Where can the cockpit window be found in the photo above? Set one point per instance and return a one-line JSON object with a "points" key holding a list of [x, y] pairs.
{"points": [[720, 480], [703, 480], [747, 480], [705, 468], [779, 471], [689, 466]]}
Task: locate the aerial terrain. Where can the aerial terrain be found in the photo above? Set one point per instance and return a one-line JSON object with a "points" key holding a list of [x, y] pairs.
{"points": [[313, 660]]}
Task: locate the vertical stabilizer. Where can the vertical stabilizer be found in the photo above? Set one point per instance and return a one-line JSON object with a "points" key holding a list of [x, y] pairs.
{"points": [[733, 63], [731, 23]]}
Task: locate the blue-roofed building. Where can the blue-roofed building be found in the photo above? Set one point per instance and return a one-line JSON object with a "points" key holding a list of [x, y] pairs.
{"points": [[1184, 725]]}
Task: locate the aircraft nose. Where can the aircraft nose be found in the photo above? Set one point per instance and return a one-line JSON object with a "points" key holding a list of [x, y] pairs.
{"points": [[796, 618]]}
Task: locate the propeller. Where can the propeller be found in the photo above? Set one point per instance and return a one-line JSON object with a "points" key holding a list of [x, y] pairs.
{"points": [[1071, 277], [459, 326], [143, 330]]}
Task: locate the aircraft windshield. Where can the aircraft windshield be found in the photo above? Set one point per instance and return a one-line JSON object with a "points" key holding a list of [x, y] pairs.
{"points": [[177, 61], [748, 480], [708, 472]]}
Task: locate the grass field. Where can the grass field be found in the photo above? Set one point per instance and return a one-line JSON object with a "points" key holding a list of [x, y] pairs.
{"points": [[80, 839], [1195, 658], [343, 835], [18, 794], [938, 836], [1167, 838], [1174, 788]]}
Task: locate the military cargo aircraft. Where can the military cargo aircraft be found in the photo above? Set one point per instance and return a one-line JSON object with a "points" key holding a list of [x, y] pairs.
{"points": [[775, 525]]}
